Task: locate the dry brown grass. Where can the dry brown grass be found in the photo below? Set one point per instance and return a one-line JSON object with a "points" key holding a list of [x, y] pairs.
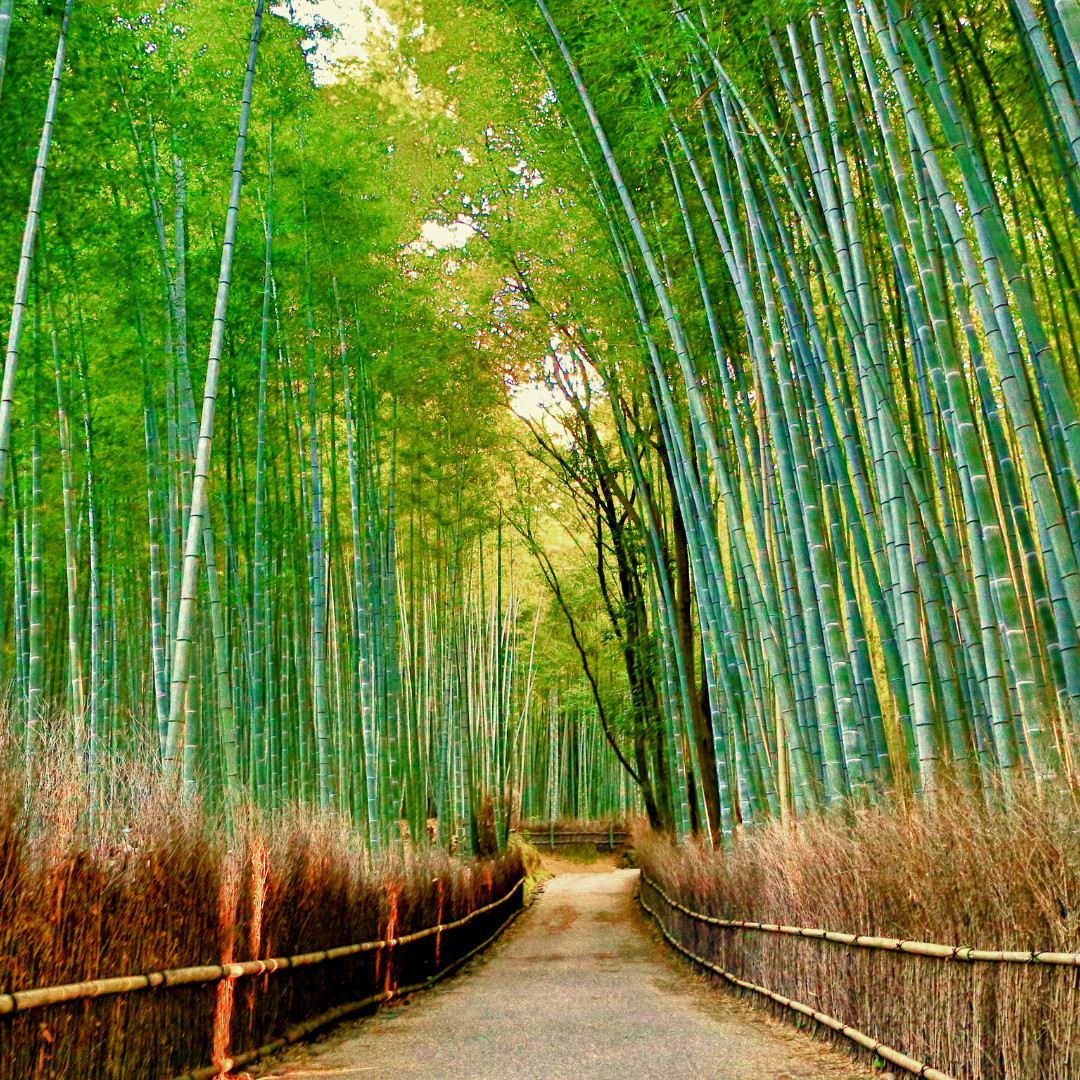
{"points": [[154, 883], [956, 873]]}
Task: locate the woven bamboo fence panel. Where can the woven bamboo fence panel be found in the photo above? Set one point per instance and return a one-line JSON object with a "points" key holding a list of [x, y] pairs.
{"points": [[166, 1022], [972, 1014]]}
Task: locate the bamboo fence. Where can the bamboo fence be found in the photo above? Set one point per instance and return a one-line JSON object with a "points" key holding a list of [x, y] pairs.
{"points": [[866, 941], [982, 1015], [194, 935], [204, 973], [895, 1057], [301, 1031]]}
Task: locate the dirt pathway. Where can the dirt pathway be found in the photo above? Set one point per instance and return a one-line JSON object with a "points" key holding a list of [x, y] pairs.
{"points": [[577, 988]]}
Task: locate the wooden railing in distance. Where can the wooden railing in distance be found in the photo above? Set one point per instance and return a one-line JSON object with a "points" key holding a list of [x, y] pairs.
{"points": [[551, 839]]}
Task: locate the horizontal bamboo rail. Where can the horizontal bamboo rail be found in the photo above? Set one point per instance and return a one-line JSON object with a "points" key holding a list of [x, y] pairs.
{"points": [[51, 995], [302, 1031], [552, 838], [895, 1057], [917, 948]]}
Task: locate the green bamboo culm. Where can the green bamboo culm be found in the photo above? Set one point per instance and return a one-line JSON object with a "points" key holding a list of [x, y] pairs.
{"points": [[866, 395]]}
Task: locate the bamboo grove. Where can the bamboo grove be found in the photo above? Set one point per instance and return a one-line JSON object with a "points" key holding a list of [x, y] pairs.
{"points": [[285, 588], [845, 237], [801, 280]]}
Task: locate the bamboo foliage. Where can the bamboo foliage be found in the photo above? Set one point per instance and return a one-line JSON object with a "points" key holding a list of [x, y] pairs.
{"points": [[30, 231], [307, 665], [825, 449], [196, 528], [853, 347]]}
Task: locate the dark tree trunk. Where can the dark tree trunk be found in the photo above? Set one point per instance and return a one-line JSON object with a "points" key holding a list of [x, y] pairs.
{"points": [[682, 591]]}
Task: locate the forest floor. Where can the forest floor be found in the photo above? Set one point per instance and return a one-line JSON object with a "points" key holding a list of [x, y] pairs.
{"points": [[579, 986]]}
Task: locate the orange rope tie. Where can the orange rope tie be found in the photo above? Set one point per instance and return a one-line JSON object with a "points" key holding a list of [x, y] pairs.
{"points": [[438, 922], [391, 925], [227, 901]]}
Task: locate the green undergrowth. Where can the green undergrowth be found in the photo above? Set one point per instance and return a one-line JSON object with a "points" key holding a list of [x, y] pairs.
{"points": [[535, 871], [586, 854]]}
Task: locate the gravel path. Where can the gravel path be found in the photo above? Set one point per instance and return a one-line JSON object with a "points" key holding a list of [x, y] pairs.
{"points": [[577, 988]]}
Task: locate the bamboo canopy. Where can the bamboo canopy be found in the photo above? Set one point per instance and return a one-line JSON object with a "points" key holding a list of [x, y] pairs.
{"points": [[801, 281], [853, 349]]}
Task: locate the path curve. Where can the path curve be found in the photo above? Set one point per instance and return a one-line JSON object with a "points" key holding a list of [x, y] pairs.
{"points": [[575, 990]]}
